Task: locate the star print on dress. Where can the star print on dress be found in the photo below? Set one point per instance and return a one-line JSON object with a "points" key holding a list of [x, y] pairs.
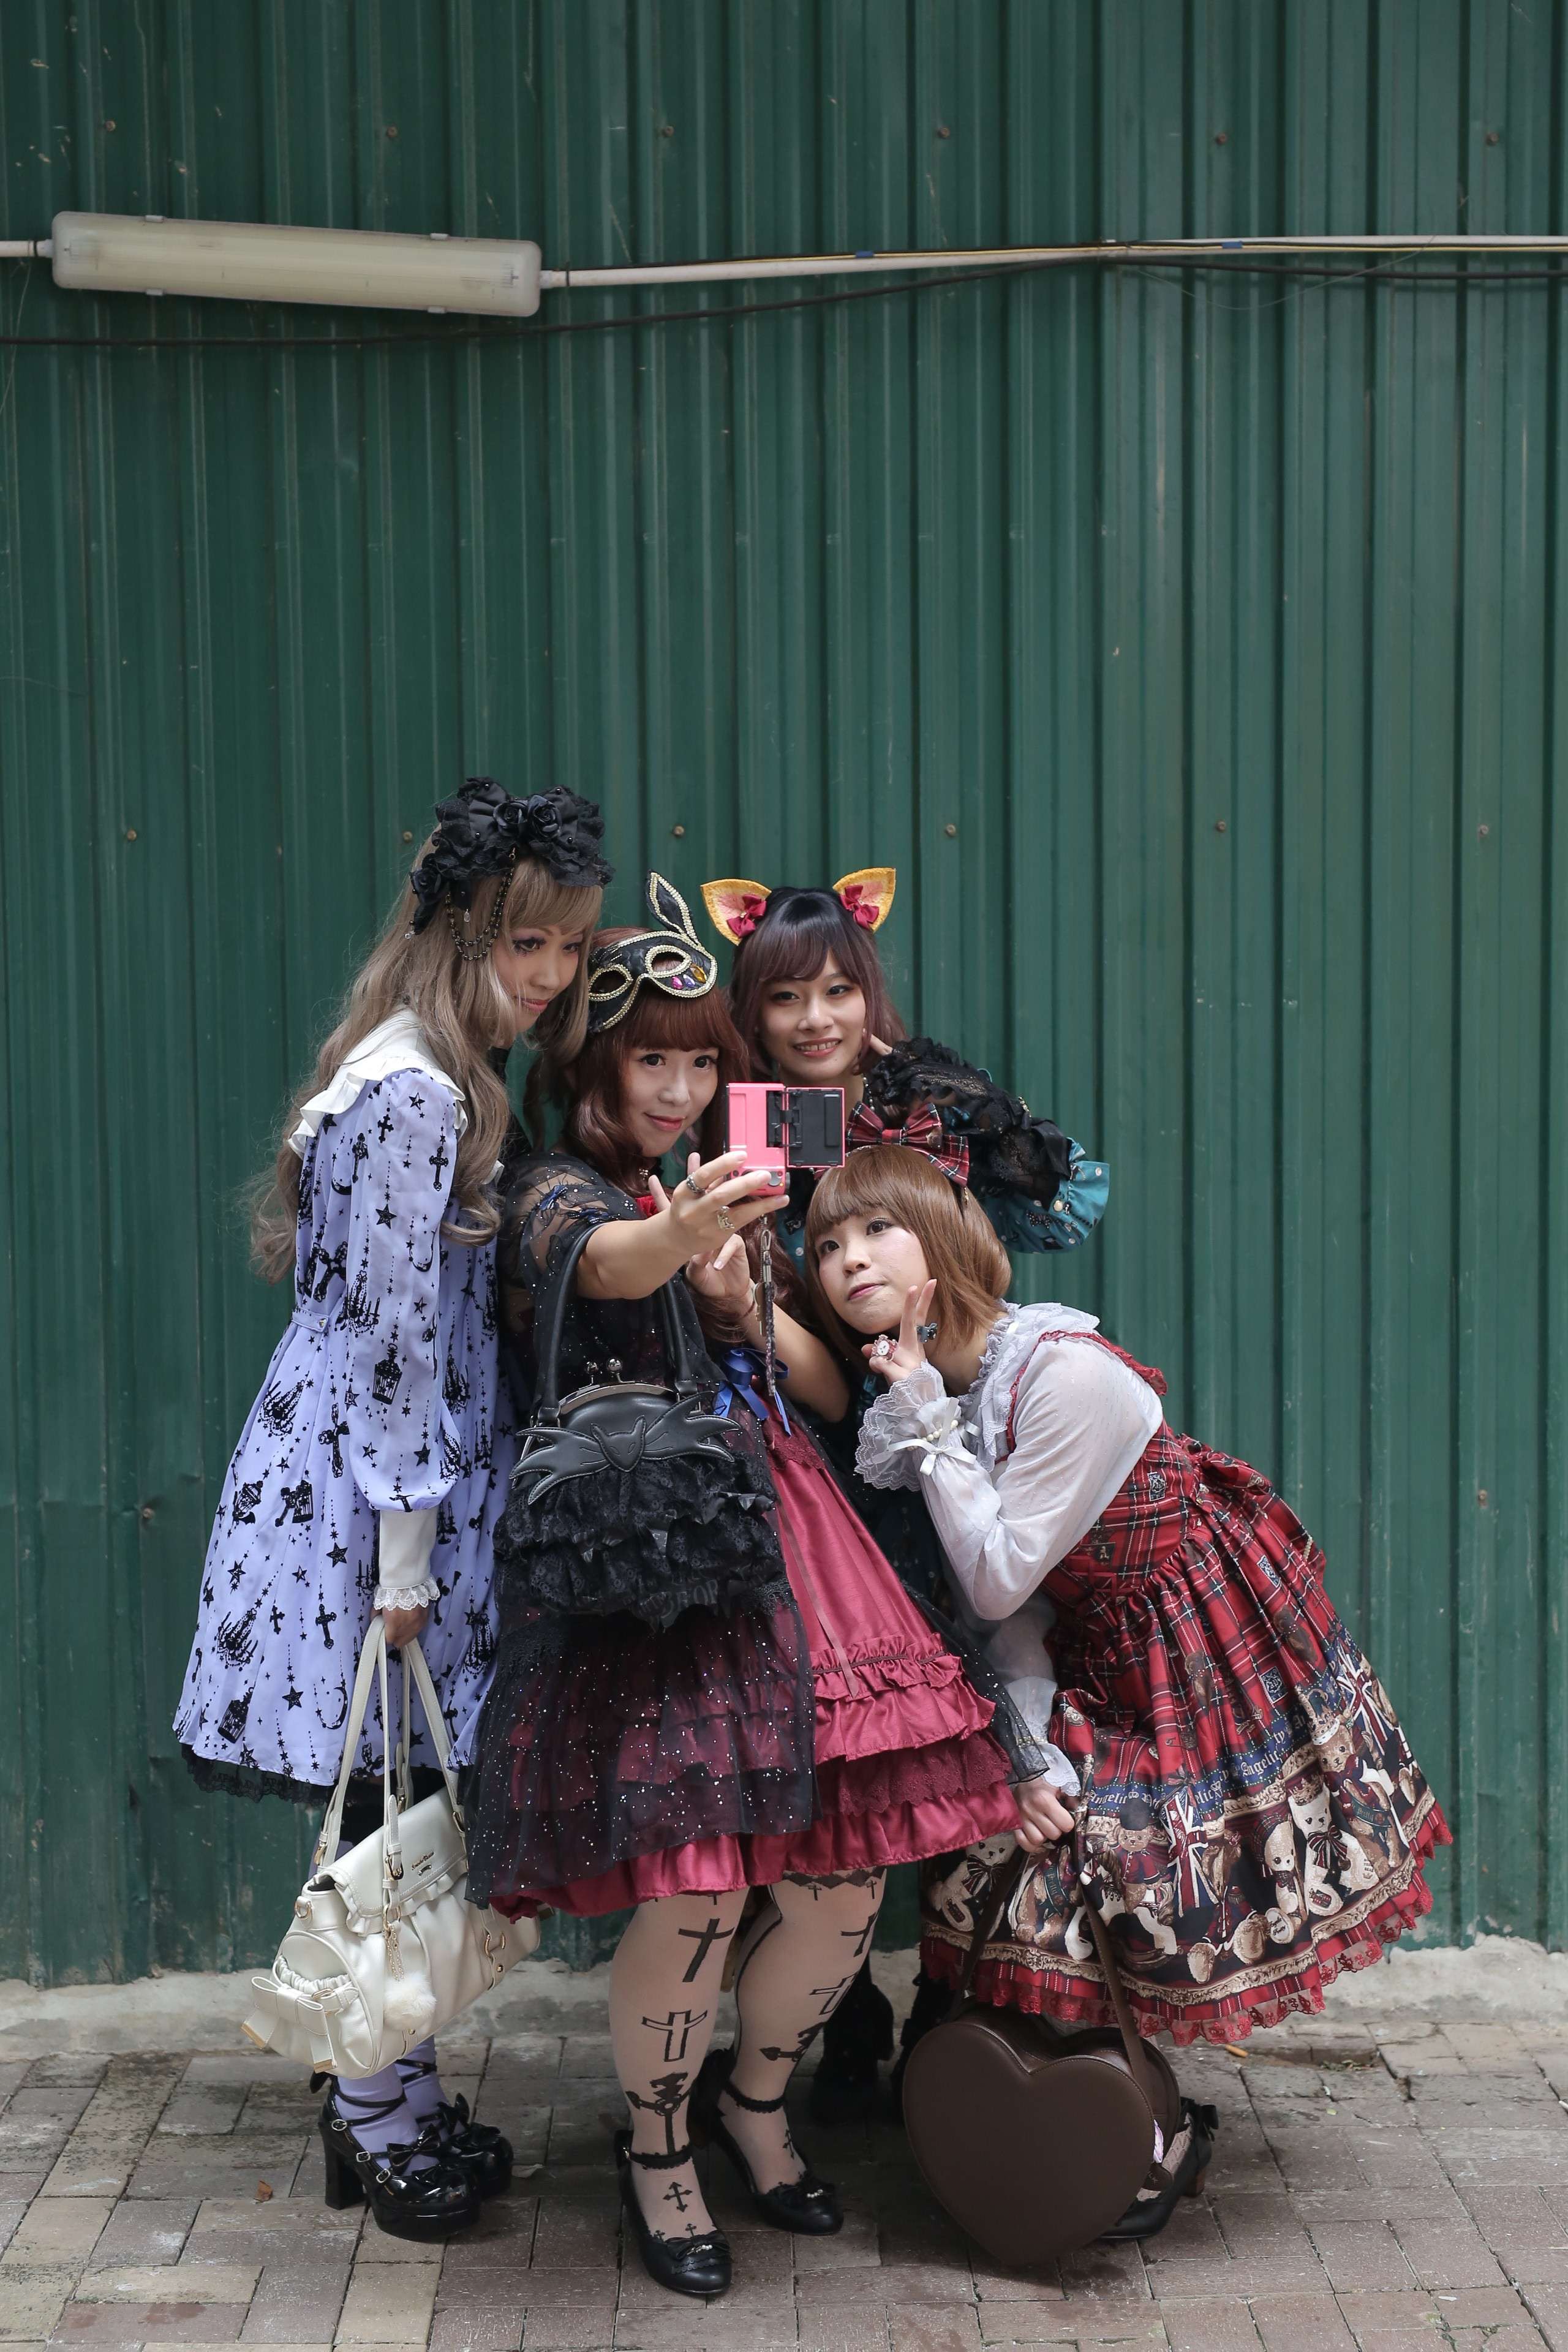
{"points": [[384, 1391]]}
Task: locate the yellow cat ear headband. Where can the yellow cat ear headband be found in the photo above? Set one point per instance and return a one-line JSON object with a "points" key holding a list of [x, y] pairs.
{"points": [[736, 907]]}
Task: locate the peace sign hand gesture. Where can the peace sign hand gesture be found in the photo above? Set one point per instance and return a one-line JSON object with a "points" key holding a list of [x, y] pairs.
{"points": [[895, 1359]]}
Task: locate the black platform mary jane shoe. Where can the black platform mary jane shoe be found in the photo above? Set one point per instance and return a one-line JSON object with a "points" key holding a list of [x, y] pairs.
{"points": [[477, 2149], [429, 2203], [1183, 2168], [695, 2266], [808, 2207]]}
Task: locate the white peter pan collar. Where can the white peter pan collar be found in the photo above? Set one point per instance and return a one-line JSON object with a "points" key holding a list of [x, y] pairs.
{"points": [[398, 1043]]}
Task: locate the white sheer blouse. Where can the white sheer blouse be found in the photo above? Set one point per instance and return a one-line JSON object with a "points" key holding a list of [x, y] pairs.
{"points": [[1006, 1515]]}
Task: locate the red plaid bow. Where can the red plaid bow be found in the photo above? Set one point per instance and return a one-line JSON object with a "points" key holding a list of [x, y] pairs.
{"points": [[924, 1132]]}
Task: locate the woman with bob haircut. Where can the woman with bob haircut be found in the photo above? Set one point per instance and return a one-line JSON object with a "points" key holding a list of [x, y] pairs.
{"points": [[1249, 1818], [373, 1466], [797, 1726]]}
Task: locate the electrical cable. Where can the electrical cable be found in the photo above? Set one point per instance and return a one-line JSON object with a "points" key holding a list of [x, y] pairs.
{"points": [[1310, 274]]}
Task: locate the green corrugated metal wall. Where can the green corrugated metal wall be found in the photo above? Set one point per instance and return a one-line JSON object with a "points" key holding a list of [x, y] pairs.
{"points": [[1191, 645]]}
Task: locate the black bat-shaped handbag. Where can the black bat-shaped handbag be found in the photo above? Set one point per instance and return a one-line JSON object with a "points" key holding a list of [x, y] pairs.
{"points": [[635, 1494]]}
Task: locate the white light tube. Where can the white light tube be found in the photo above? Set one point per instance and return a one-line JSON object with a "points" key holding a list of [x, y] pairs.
{"points": [[115, 253]]}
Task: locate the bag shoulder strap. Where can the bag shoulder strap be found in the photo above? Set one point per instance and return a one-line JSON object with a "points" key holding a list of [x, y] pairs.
{"points": [[987, 1921], [553, 1320], [372, 1660]]}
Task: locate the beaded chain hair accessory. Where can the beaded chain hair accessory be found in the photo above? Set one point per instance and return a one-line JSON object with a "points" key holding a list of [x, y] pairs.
{"points": [[484, 830], [736, 907], [668, 957]]}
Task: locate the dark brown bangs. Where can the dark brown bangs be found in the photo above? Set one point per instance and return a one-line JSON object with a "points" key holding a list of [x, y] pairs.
{"points": [[679, 1024], [795, 939]]}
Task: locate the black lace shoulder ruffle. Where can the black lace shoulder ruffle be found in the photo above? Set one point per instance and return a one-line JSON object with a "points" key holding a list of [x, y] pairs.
{"points": [[1010, 1150]]}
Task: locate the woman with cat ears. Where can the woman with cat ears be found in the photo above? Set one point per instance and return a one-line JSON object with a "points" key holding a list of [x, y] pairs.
{"points": [[374, 1464], [810, 998], [697, 1695]]}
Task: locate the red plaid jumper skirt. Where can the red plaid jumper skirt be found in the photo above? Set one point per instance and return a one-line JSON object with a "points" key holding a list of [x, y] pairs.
{"points": [[1253, 1819]]}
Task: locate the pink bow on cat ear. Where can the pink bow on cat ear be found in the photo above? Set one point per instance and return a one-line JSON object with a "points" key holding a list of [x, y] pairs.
{"points": [[736, 907], [866, 897]]}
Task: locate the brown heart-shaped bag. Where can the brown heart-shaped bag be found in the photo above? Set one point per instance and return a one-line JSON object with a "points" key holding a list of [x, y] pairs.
{"points": [[1034, 2139]]}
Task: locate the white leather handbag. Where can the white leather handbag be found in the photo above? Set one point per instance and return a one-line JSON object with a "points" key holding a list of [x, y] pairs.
{"points": [[385, 1948]]}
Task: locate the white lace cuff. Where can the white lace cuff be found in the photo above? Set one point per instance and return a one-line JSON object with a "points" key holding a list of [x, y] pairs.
{"points": [[405, 1596], [911, 1426], [403, 1543]]}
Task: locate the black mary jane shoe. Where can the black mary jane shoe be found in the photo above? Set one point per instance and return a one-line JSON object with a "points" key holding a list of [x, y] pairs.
{"points": [[694, 2266], [847, 2087], [807, 2207], [427, 2204], [477, 2149], [1147, 2215]]}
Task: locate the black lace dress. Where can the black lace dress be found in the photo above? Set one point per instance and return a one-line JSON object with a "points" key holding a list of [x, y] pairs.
{"points": [[609, 1738]]}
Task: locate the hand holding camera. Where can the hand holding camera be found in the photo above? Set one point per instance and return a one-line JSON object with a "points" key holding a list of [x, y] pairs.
{"points": [[716, 1198]]}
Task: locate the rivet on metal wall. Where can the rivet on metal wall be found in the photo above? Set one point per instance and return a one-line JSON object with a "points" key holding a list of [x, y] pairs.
{"points": [[679, 831], [942, 131], [1222, 138], [108, 123], [408, 836], [950, 830], [1480, 1493], [1492, 138], [1482, 831], [667, 130], [130, 833], [1219, 824], [392, 130], [146, 1511]]}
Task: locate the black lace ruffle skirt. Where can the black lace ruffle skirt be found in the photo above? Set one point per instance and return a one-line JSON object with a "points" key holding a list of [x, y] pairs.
{"points": [[603, 1738]]}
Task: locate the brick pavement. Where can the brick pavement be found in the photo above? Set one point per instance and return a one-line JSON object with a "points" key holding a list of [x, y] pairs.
{"points": [[1379, 2182]]}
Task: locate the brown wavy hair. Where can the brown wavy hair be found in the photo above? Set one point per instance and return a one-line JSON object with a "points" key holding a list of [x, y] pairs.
{"points": [[793, 941], [973, 1273], [463, 1014]]}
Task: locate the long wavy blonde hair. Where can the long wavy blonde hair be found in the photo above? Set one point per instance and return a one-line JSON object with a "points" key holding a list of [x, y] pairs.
{"points": [[463, 1013]]}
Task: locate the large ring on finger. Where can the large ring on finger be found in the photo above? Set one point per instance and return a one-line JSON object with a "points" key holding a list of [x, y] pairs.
{"points": [[925, 1333], [882, 1347], [726, 1221], [695, 1188]]}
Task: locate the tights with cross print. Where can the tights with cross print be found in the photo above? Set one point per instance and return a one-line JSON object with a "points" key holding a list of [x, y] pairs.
{"points": [[800, 1957]]}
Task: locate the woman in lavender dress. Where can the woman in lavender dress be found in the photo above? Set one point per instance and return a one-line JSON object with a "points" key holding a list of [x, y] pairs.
{"points": [[374, 1464]]}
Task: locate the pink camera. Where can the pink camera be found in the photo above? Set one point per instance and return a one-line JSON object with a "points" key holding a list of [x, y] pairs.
{"points": [[787, 1126]]}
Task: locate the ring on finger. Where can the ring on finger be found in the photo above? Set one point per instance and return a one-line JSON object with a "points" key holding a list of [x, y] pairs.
{"points": [[695, 1188], [882, 1346], [726, 1221]]}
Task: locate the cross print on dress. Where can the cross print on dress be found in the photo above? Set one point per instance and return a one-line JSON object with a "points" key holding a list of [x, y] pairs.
{"points": [[862, 1935], [679, 2022], [333, 1434], [704, 1939], [326, 1619], [439, 1159], [830, 1994]]}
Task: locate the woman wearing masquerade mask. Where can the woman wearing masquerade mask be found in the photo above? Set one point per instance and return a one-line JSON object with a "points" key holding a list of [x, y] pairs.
{"points": [[1251, 1819], [373, 1466], [810, 997], [739, 1696]]}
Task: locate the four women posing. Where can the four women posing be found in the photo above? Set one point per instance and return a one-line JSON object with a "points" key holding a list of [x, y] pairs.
{"points": [[712, 1690]]}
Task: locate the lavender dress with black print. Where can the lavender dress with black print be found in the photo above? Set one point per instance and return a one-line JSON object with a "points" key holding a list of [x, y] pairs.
{"points": [[384, 1394]]}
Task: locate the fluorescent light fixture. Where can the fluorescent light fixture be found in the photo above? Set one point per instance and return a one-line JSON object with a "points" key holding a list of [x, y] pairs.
{"points": [[243, 261]]}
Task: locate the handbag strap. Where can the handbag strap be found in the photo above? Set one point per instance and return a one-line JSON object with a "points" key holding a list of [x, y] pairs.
{"points": [[372, 1662], [551, 1323], [1003, 1887], [416, 1676]]}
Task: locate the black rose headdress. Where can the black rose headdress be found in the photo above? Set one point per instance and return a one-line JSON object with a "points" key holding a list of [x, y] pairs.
{"points": [[669, 957], [485, 829]]}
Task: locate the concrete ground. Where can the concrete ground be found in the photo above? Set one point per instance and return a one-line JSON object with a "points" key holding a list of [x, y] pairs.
{"points": [[1392, 2175]]}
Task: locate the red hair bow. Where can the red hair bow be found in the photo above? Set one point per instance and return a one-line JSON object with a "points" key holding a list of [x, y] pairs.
{"points": [[751, 914], [854, 902], [921, 1132]]}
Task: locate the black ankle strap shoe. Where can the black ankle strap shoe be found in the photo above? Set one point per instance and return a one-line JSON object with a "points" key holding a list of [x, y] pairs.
{"points": [[695, 2266], [807, 2207], [428, 2201]]}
